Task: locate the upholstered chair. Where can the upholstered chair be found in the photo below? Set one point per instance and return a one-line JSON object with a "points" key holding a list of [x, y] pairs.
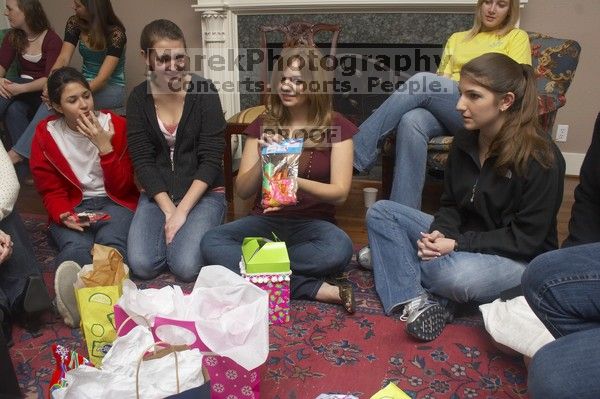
{"points": [[554, 61]]}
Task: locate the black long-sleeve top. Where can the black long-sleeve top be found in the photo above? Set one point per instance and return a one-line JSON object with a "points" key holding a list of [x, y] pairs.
{"points": [[199, 143], [511, 216]]}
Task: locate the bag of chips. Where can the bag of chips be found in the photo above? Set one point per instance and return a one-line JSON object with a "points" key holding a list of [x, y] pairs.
{"points": [[280, 172]]}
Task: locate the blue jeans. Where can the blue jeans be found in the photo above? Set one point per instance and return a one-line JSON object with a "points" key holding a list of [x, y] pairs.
{"points": [[416, 115], [563, 289], [401, 276], [109, 97], [77, 246], [21, 264], [16, 111], [316, 248], [149, 253]]}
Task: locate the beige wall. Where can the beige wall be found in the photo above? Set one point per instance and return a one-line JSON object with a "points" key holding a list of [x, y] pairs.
{"points": [[577, 20], [574, 19], [135, 14]]}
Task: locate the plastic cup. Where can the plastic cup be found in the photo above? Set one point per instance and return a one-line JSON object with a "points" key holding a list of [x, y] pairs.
{"points": [[370, 196]]}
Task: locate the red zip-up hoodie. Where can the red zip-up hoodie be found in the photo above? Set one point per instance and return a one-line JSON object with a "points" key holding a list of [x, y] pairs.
{"points": [[60, 189]]}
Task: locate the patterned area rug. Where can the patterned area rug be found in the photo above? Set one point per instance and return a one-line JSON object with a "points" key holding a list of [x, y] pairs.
{"points": [[322, 349]]}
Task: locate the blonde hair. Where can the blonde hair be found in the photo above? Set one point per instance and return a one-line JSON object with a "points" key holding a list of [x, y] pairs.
{"points": [[317, 81], [507, 25], [520, 138]]}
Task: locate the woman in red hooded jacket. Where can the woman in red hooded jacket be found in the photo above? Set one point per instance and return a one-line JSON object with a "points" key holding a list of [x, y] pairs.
{"points": [[82, 170]]}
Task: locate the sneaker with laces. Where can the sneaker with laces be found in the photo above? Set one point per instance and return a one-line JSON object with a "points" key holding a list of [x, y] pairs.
{"points": [[66, 303], [425, 318], [363, 257]]}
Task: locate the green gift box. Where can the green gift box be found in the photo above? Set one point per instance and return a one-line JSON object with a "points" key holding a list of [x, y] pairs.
{"points": [[266, 264], [265, 256]]}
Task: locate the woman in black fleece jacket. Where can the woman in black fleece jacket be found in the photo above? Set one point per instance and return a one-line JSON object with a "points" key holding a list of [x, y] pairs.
{"points": [[503, 187], [175, 133]]}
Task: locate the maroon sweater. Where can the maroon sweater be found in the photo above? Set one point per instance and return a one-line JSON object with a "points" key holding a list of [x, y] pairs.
{"points": [[50, 49]]}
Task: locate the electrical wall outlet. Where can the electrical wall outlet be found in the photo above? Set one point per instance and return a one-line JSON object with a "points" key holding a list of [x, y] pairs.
{"points": [[561, 133]]}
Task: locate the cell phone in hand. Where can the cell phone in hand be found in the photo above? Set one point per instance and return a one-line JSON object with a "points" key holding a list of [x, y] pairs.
{"points": [[92, 217]]}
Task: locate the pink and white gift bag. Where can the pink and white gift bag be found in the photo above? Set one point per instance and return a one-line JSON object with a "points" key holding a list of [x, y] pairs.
{"points": [[277, 285], [230, 315]]}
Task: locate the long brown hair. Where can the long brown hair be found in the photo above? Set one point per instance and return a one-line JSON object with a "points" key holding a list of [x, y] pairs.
{"points": [[316, 78], [520, 138], [36, 21], [508, 24], [102, 20]]}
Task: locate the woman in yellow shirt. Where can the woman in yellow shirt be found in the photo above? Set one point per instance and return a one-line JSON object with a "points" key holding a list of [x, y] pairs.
{"points": [[425, 106]]}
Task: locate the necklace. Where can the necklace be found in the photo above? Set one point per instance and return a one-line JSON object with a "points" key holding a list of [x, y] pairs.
{"points": [[34, 38]]}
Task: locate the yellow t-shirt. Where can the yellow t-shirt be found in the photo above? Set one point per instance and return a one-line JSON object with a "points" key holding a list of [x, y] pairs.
{"points": [[459, 51]]}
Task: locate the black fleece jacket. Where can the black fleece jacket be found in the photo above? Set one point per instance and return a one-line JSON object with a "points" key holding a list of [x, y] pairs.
{"points": [[584, 226], [511, 216], [199, 143]]}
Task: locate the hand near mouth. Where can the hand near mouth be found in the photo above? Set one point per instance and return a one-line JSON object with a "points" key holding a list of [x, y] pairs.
{"points": [[89, 126]]}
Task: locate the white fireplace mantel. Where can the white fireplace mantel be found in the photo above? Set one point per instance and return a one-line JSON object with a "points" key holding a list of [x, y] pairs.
{"points": [[319, 6], [220, 33]]}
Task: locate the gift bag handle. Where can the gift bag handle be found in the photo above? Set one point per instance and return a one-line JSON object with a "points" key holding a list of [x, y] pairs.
{"points": [[157, 355], [127, 320], [187, 325]]}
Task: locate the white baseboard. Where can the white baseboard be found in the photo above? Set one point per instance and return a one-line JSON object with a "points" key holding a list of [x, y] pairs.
{"points": [[574, 161]]}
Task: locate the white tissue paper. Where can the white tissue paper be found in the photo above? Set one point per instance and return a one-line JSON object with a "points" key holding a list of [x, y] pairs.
{"points": [[147, 303], [513, 324], [230, 314], [117, 378]]}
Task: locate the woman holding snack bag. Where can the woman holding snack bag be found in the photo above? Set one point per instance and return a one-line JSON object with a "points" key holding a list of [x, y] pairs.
{"points": [[176, 142], [299, 107], [81, 168]]}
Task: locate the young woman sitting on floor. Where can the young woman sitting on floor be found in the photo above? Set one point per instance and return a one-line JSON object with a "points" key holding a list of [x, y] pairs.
{"points": [[80, 163], [317, 247], [503, 186], [176, 142]]}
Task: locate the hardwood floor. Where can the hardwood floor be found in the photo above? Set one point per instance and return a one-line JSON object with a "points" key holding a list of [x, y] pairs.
{"points": [[351, 215]]}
